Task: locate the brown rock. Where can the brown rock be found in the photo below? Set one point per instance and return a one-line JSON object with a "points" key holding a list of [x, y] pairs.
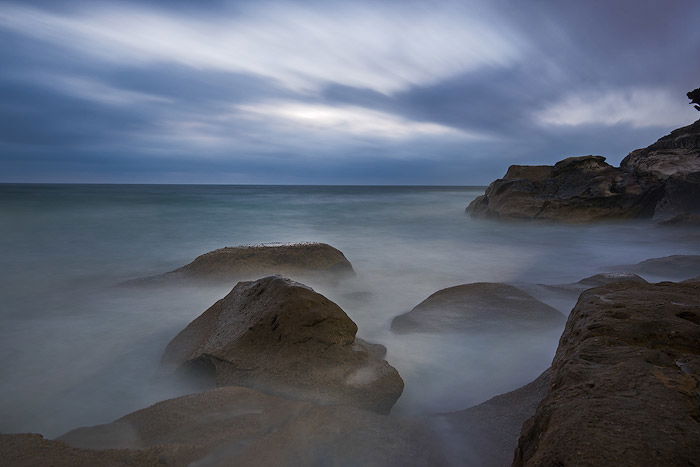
{"points": [[300, 260], [478, 307], [675, 154], [486, 435], [281, 337], [31, 450], [669, 267], [243, 427], [577, 190], [624, 387]]}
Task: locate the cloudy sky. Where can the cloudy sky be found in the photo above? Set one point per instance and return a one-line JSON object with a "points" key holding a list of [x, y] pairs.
{"points": [[361, 92]]}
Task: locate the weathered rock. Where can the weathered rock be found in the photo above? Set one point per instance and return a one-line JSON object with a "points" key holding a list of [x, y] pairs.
{"points": [[478, 307], [230, 264], [281, 337], [682, 220], [681, 197], [240, 426], [486, 435], [31, 450], [668, 267], [675, 154], [576, 189], [624, 387]]}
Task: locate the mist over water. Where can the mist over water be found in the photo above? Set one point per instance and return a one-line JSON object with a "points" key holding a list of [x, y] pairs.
{"points": [[77, 350]]}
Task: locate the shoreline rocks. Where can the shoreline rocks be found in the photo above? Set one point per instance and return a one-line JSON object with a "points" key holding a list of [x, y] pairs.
{"points": [[676, 267], [481, 306], [318, 261], [624, 381], [661, 181], [281, 337]]}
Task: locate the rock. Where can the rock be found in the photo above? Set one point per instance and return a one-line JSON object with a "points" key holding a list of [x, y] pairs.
{"points": [[31, 449], [669, 267], [281, 337], [682, 220], [486, 435], [675, 154], [680, 199], [240, 426], [576, 189], [481, 306], [624, 382], [610, 278], [230, 264]]}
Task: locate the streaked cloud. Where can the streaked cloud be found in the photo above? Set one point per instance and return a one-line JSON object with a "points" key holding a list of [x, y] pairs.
{"points": [[637, 107], [301, 48]]}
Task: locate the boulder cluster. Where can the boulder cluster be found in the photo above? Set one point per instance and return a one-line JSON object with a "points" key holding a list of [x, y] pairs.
{"points": [[661, 181]]}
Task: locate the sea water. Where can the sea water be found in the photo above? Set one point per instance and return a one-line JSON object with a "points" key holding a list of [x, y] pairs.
{"points": [[77, 349]]}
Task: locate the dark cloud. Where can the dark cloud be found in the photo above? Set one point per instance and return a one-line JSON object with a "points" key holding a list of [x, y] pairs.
{"points": [[176, 101]]}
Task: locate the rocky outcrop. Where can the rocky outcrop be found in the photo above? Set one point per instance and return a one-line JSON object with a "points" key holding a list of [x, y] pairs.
{"points": [[240, 426], [667, 267], [486, 435], [624, 381], [230, 264], [660, 181], [281, 337], [481, 306], [677, 153], [577, 189], [31, 450]]}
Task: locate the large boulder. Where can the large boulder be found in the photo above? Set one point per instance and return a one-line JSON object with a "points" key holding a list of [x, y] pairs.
{"points": [[680, 199], [667, 267], [282, 337], [677, 153], [624, 382], [576, 189], [317, 261], [240, 426], [486, 435], [481, 306]]}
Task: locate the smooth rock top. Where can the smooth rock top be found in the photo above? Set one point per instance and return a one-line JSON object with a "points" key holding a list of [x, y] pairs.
{"points": [[675, 154], [243, 427], [576, 189], [477, 307], [668, 267], [281, 337], [230, 264], [624, 387]]}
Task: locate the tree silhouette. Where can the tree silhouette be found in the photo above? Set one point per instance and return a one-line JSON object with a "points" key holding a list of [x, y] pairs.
{"points": [[694, 97]]}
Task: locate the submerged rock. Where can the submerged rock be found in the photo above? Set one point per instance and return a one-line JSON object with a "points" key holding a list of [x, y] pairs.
{"points": [[486, 435], [576, 189], [230, 264], [482, 306], [241, 426], [669, 267], [281, 337], [624, 381]]}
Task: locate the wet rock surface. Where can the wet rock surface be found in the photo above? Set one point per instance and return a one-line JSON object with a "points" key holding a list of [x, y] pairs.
{"points": [[281, 337], [481, 306], [624, 381], [318, 261], [241, 426]]}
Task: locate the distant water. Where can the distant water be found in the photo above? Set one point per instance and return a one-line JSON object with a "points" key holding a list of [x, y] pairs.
{"points": [[75, 350]]}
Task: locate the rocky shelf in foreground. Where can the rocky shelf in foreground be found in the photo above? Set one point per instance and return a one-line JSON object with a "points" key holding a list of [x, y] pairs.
{"points": [[316, 261], [661, 181]]}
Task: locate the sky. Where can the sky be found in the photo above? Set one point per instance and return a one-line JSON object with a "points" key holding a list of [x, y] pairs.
{"points": [[325, 92]]}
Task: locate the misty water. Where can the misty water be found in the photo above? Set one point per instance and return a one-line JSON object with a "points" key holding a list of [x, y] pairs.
{"points": [[76, 349]]}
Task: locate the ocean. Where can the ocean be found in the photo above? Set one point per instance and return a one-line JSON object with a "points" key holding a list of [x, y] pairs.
{"points": [[77, 349]]}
